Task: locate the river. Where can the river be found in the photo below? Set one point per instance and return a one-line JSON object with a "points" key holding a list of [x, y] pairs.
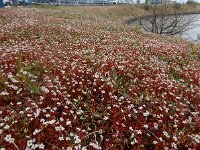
{"points": [[192, 34]]}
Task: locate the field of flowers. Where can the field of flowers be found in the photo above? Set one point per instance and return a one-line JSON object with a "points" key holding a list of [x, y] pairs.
{"points": [[73, 81]]}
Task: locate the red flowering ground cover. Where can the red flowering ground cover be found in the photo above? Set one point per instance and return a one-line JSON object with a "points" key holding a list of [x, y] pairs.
{"points": [[86, 83]]}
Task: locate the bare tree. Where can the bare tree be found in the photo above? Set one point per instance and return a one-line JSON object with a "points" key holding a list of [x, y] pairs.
{"points": [[166, 20]]}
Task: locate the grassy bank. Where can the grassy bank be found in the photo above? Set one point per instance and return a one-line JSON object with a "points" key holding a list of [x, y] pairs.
{"points": [[76, 78], [119, 13]]}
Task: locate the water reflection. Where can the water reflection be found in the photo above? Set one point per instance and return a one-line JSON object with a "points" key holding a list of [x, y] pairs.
{"points": [[193, 34]]}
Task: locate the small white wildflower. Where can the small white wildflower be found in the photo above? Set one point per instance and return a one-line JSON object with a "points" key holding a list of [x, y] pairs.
{"points": [[52, 121], [175, 138], [36, 131], [19, 103], [69, 148], [44, 89], [96, 146], [84, 148], [161, 139], [146, 113], [61, 119], [79, 112], [155, 142], [174, 145], [27, 108], [6, 127], [21, 112], [67, 139], [77, 139], [4, 93], [140, 108], [61, 138], [103, 92], [155, 126], [135, 111], [130, 128], [41, 146], [138, 131], [2, 149], [166, 148], [68, 122], [134, 141], [59, 128], [48, 115], [146, 126], [9, 138], [105, 118], [196, 138], [71, 134]]}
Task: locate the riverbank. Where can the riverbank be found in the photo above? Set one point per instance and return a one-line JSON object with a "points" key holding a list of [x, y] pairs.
{"points": [[76, 78]]}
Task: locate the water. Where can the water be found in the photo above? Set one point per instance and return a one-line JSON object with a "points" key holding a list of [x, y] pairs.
{"points": [[193, 34]]}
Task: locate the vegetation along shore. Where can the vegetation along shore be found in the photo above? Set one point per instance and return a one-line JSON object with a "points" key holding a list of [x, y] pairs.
{"points": [[79, 77]]}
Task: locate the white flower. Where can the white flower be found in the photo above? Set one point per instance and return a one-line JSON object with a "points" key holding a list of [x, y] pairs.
{"points": [[146, 114], [68, 122], [61, 138], [84, 148], [175, 138], [196, 138], [69, 148], [19, 103], [166, 148], [29, 143], [61, 119], [36, 131], [155, 142], [9, 138], [79, 112], [174, 145], [48, 115], [155, 126], [146, 126], [67, 139], [130, 128], [4, 93], [77, 139], [96, 146], [134, 141], [105, 118], [138, 131], [14, 80], [59, 128], [140, 108], [41, 146], [6, 127], [52, 121], [2, 149], [44, 89]]}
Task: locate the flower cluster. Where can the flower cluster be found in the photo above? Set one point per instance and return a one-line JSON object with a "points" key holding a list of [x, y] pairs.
{"points": [[69, 83]]}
